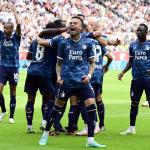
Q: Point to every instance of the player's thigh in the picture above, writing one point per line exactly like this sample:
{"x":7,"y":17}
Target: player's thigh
{"x":46,"y":87}
{"x":31,"y":86}
{"x":73,"y":100}
{"x":97,"y":90}
{"x":13,"y":89}
{"x":3,"y":76}
{"x":64,"y":93}
{"x":87,"y":95}
{"x":136,"y":90}
{"x":31,"y":98}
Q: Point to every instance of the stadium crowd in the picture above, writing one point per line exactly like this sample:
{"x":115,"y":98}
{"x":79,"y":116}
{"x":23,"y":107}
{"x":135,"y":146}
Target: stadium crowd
{"x":117,"y":18}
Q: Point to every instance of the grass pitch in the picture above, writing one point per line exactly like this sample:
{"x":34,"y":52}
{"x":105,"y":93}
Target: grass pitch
{"x":117,"y":103}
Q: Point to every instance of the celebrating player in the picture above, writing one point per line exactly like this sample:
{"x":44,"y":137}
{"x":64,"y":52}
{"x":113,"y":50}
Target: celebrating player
{"x":75,"y":66}
{"x":9,"y":63}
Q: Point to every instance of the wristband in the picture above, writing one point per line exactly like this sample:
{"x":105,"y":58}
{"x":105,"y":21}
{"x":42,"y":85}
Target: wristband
{"x":89,"y":75}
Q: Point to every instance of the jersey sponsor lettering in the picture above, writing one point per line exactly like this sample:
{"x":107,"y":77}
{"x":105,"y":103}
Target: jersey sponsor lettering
{"x":75,"y":55}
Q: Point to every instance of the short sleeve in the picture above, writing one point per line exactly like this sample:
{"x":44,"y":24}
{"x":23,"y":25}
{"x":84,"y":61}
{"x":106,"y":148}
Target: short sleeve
{"x":1,"y":35}
{"x":90,"y":51}
{"x":104,"y":50}
{"x":60,"y":50}
{"x":130,"y":51}
{"x":88,"y":35}
{"x":55,"y":41}
{"x":17,"y":37}
{"x":30,"y":49}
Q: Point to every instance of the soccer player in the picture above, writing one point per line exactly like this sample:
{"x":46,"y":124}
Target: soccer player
{"x":139,"y":61}
{"x":41,"y":75}
{"x":9,"y":63}
{"x":52,"y":32}
{"x":97,"y":80}
{"x":73,"y":99}
{"x":75,"y":66}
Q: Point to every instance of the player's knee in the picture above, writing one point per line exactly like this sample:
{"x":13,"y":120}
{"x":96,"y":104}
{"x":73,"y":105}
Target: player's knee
{"x":91,"y":107}
{"x":57,"y":108}
{"x":60,"y":102}
{"x":73,"y":100}
{"x":135,"y":103}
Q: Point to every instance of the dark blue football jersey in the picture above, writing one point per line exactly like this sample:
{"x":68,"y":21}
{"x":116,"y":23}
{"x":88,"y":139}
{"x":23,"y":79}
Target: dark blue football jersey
{"x":140,"y":55}
{"x":87,"y":34}
{"x":99,"y":52}
{"x":75,"y":56}
{"x":9,"y":50}
{"x":44,"y":58}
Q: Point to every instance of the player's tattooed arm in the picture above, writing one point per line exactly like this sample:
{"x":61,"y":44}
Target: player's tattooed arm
{"x":91,"y":66}
{"x":58,"y":71}
{"x":18,"y":22}
{"x":86,"y":78}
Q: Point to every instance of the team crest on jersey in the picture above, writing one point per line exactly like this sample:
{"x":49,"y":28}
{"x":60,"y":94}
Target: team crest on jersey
{"x":68,"y":46}
{"x":16,"y":75}
{"x":92,"y":89}
{"x":134,"y":47}
{"x":84,"y":47}
{"x":62,"y":94}
{"x":146,"y":47}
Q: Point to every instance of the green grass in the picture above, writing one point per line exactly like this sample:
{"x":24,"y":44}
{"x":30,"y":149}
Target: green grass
{"x":117,"y":102}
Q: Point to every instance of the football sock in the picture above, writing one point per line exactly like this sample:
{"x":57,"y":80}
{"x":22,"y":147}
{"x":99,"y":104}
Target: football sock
{"x":77,"y":114}
{"x":44,"y":109}
{"x":84,"y":113}
{"x":2,"y":103}
{"x":29,"y":112}
{"x":91,"y":119}
{"x":101,"y":112}
{"x":71,"y":116}
{"x":60,"y":114}
{"x":51,"y":116}
{"x":50,"y":105}
{"x":12,"y":105}
{"x":133,"y":113}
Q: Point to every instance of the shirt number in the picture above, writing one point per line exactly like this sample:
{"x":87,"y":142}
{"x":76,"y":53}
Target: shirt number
{"x":97,"y":52}
{"x":39,"y":53}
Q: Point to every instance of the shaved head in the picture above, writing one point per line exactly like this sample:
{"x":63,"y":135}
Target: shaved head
{"x":10,"y":24}
{"x":94,"y":23}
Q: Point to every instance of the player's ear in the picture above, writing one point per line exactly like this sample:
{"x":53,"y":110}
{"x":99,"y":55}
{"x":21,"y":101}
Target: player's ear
{"x":81,"y":27}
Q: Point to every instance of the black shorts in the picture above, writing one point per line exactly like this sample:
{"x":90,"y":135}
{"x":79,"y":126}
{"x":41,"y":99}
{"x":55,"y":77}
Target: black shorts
{"x":34,"y":83}
{"x":83,"y":93}
{"x":97,"y":88}
{"x":9,"y":74}
{"x":137,"y":88}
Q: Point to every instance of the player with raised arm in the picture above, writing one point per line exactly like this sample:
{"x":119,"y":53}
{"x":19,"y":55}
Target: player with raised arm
{"x":75,"y":66}
{"x":41,"y":74}
{"x":9,"y":63}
